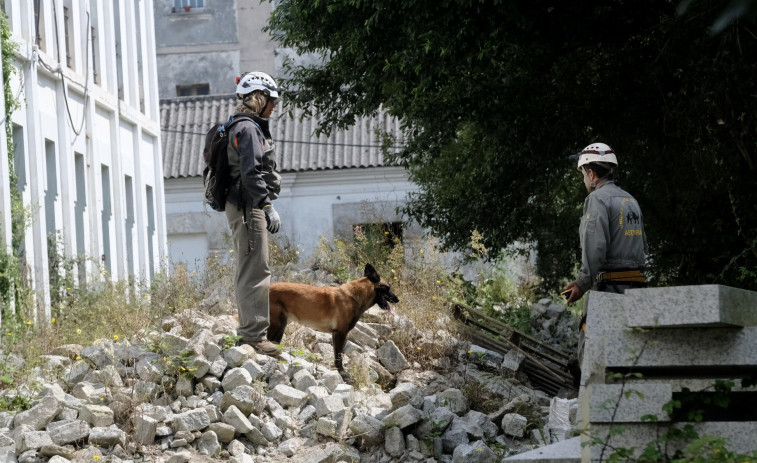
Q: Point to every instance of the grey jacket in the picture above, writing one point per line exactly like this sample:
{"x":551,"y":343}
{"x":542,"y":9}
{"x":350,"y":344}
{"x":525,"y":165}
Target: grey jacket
{"x":252,"y":163}
{"x":612,"y":234}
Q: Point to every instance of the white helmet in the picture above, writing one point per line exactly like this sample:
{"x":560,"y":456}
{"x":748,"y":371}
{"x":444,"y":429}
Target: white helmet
{"x":252,"y":81}
{"x":596,"y":152}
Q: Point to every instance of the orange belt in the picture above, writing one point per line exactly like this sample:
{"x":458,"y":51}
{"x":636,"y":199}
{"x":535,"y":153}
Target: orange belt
{"x":628,"y":276}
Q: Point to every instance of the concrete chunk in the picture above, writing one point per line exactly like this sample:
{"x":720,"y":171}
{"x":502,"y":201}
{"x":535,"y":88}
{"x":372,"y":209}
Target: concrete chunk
{"x":403,"y":417}
{"x":96,"y":415}
{"x":40,"y":414}
{"x":391,"y":357}
{"x":68,"y":432}
{"x":193,"y":420}
{"x":107,"y":437}
{"x":145,"y":429}
{"x":394,"y":442}
{"x":288,"y":396}
{"x":514,"y":425}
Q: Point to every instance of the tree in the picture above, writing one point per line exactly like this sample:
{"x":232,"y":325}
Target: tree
{"x":494,"y":95}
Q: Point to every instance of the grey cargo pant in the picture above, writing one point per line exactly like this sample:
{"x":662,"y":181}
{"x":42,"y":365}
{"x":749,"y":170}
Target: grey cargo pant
{"x":253,"y":276}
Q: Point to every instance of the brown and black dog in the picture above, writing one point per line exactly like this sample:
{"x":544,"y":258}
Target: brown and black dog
{"x":333,"y":310}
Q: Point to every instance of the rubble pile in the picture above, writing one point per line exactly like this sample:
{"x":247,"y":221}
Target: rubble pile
{"x":168,"y":398}
{"x":552,"y":324}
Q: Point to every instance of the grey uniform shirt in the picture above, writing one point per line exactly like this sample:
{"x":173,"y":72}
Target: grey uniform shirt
{"x":612,"y":234}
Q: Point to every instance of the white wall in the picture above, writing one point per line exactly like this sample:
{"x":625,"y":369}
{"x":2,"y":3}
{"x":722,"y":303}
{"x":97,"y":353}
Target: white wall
{"x":311,"y":204}
{"x":61,"y":149}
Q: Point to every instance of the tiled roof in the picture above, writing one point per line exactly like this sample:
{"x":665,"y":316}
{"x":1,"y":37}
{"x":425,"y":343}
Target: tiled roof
{"x":184,"y":122}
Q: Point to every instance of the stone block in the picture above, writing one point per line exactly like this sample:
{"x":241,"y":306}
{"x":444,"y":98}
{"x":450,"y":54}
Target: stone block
{"x":208,"y":444}
{"x":391,"y":357}
{"x":691,"y":306}
{"x":567,"y":451}
{"x":32,"y":440}
{"x":288,"y":396}
{"x":514,"y":424}
{"x":403,"y":417}
{"x":681,"y":348}
{"x":193,"y":420}
{"x":145,"y":429}
{"x":367,"y":429}
{"x":236,"y":377}
{"x":234,"y":417}
{"x":107,"y":437}
{"x":512,"y":360}
{"x":404,"y":394}
{"x":394,"y":442}
{"x":455,"y":400}
{"x":328,"y":405}
{"x":68,"y":432}
{"x":455,"y":435}
{"x":271,"y":432}
{"x":475,"y":452}
{"x":96,"y":415}
{"x":303,"y":380}
{"x":244,"y":398}
{"x":224,"y":431}
{"x":256,"y":437}
{"x":40,"y":414}
{"x":617,"y":403}
{"x":739,"y":437}
{"x":289,"y":447}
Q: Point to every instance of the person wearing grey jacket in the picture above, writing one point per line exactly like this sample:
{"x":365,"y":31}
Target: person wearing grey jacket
{"x":613,"y":242}
{"x":250,"y":212}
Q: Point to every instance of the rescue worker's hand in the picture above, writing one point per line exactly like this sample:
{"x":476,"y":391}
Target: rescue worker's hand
{"x":576,"y":292}
{"x":272,"y":219}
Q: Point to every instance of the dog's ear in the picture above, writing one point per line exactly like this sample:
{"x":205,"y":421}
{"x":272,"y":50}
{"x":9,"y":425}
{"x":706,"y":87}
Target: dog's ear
{"x":371,"y":273}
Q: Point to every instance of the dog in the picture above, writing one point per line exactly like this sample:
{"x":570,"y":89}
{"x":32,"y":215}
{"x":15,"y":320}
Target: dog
{"x":333,"y":310}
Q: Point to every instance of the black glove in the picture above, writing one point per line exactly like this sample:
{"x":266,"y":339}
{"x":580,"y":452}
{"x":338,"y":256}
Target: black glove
{"x":272,"y":219}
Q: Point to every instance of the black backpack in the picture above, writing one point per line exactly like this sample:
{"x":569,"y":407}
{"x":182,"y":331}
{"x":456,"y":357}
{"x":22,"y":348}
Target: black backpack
{"x":216,"y":177}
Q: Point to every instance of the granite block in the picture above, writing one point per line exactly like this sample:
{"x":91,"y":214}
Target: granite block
{"x":627,"y":403}
{"x":567,"y":451}
{"x":739,"y":437}
{"x":691,"y":306}
{"x":684,"y":348}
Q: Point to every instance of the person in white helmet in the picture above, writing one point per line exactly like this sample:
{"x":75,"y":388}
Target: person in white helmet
{"x":255,"y":183}
{"x":613,"y":242}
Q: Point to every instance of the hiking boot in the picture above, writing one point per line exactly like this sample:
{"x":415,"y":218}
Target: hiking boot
{"x":262,"y":347}
{"x":266,"y":348}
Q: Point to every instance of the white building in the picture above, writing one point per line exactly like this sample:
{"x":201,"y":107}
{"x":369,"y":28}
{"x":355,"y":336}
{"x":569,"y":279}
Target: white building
{"x":327,"y":182}
{"x":86,"y":137}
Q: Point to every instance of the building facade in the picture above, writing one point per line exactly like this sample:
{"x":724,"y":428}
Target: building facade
{"x":203,"y":44}
{"x":86,"y":140}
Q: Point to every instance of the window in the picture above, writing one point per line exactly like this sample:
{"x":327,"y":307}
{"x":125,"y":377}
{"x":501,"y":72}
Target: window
{"x":95,"y":75}
{"x":67,"y":35}
{"x":39,"y":26}
{"x":193,"y":90}
{"x":187,"y":5}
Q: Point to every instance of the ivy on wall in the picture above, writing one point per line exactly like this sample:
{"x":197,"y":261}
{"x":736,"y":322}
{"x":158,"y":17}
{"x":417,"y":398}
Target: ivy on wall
{"x":11,"y":281}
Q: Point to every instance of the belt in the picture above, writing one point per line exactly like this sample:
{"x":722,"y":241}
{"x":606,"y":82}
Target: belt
{"x":625,"y":276}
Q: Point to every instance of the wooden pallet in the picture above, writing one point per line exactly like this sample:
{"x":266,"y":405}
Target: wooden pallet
{"x":545,"y":366}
